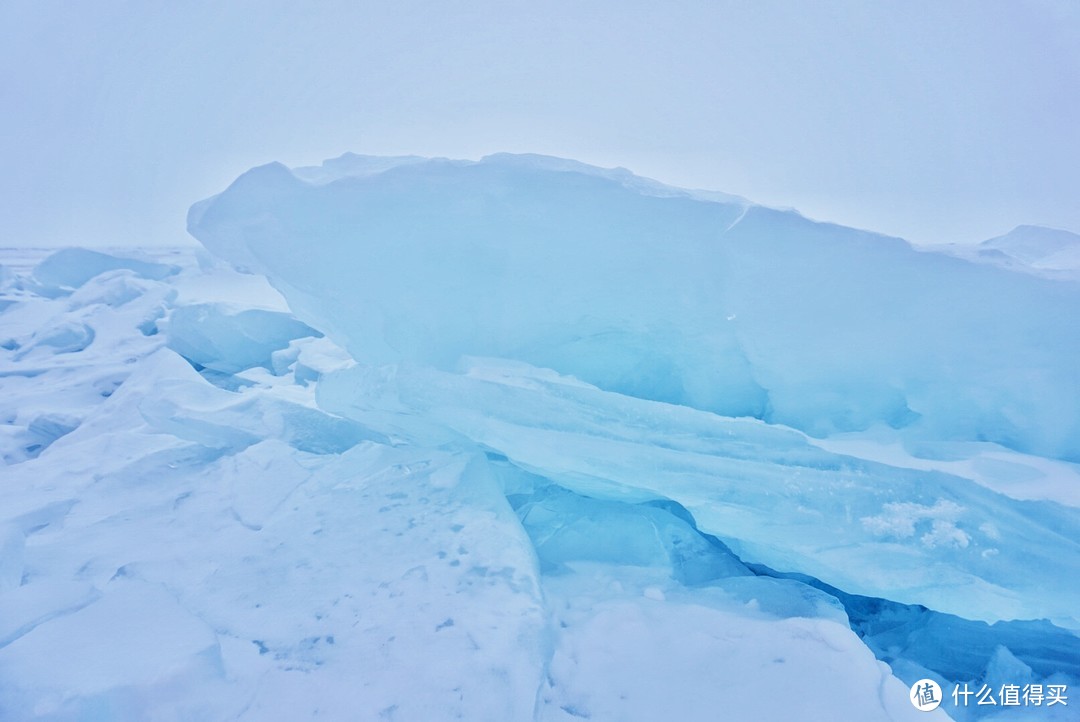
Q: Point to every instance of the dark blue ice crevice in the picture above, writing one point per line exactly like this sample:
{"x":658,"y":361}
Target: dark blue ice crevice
{"x":956,"y":648}
{"x":917,"y":642}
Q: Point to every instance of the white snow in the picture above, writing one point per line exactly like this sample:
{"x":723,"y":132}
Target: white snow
{"x":1039,"y":247}
{"x":1016,"y":475}
{"x":1036,"y":250}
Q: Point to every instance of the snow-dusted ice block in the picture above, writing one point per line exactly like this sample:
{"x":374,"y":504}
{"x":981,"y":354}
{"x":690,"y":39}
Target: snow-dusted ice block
{"x":661,"y":294}
{"x":184,"y":405}
{"x":64,"y":337}
{"x":70,"y":268}
{"x":228,"y":340}
{"x":112,"y":288}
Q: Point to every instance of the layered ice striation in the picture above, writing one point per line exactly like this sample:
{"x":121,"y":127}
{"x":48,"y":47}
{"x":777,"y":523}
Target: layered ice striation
{"x":637,"y":288}
{"x":913,"y":536}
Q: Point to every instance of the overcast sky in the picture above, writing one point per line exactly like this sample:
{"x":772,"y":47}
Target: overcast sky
{"x":937,"y":121}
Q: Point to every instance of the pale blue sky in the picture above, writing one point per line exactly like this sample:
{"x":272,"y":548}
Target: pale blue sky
{"x":937,"y":121}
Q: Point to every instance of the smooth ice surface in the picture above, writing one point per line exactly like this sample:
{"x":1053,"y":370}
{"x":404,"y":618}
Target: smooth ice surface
{"x":659,"y":294}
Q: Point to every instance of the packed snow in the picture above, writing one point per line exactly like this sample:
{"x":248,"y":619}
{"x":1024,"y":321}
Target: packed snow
{"x":1046,"y":249}
{"x":523,"y":439}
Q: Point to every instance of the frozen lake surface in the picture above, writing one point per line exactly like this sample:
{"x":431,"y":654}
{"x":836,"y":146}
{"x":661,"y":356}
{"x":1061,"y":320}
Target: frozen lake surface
{"x":458,"y":445}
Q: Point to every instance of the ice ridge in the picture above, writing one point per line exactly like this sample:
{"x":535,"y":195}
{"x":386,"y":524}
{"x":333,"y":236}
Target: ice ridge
{"x":661,"y":296}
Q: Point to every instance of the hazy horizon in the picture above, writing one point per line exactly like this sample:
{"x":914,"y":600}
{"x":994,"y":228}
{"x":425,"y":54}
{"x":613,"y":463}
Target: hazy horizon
{"x":935,"y":122}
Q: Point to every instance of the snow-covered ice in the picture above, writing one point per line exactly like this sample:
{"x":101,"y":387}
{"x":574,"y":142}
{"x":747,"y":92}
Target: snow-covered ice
{"x":522,"y":439}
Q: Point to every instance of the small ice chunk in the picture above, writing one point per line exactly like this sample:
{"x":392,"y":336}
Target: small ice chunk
{"x":568,"y":527}
{"x":1004,"y":668}
{"x":113,"y":288}
{"x":47,"y":428}
{"x":67,"y":336}
{"x":217,"y":337}
{"x":654,"y":593}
